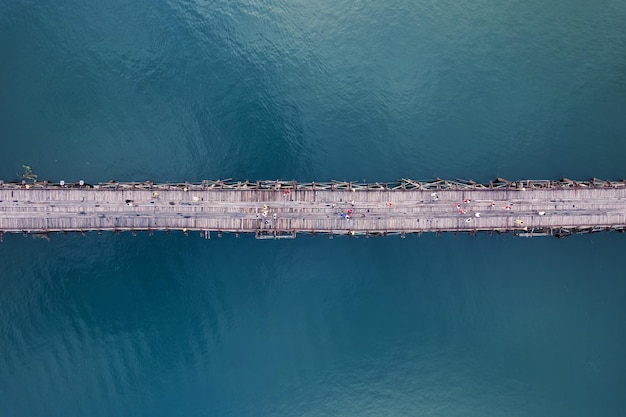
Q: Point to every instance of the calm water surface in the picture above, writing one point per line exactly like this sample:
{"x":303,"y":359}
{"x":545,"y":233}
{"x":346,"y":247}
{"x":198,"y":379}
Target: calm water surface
{"x":188,"y":90}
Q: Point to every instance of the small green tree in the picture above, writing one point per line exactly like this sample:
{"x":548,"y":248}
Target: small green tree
{"x":29,"y":174}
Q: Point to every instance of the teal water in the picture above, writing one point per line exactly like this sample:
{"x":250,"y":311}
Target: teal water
{"x":187,"y":90}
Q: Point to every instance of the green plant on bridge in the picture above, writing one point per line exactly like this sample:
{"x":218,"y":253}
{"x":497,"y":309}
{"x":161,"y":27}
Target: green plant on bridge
{"x":29,"y":174}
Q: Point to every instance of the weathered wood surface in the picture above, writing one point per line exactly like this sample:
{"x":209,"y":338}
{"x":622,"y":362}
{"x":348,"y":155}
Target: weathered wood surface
{"x":295,"y":208}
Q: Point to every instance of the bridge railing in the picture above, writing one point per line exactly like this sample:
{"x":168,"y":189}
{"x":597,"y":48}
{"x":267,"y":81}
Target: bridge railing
{"x":401,"y":184}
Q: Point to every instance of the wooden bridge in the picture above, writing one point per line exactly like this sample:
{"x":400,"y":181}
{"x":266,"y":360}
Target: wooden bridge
{"x":281,"y":209}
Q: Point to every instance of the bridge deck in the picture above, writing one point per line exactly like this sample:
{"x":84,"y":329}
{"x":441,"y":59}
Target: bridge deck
{"x":290,"y":210}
